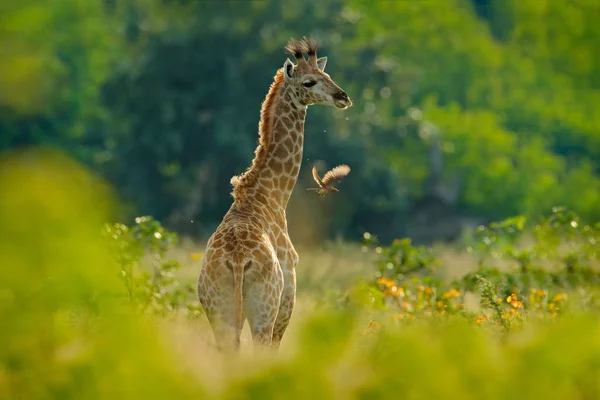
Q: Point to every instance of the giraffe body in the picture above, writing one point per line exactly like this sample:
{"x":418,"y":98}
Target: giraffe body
{"x":249,"y":267}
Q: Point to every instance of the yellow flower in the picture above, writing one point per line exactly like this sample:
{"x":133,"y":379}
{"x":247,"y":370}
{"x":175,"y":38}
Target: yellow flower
{"x":516,"y":304}
{"x":450,"y":294}
{"x":515,"y":312}
{"x":429,"y":291}
{"x":499,"y":300}
{"x":481,"y":319}
{"x":407,"y":306}
{"x":387,"y":282}
{"x":195,"y":256}
{"x":558,"y":297}
{"x":394,"y":291}
{"x":540,"y":293}
{"x":420,"y":288}
{"x":512,"y":297}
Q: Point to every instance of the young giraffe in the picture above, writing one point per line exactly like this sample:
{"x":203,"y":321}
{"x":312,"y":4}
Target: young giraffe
{"x":248,"y":269}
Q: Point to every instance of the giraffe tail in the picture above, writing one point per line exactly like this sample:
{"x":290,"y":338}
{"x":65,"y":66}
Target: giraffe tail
{"x":238,"y":284}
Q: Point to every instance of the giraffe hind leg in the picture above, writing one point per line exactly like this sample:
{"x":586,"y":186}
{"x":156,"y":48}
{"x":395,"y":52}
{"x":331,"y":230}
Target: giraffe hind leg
{"x":261,"y":304}
{"x":220,"y":312}
{"x":227,"y":336}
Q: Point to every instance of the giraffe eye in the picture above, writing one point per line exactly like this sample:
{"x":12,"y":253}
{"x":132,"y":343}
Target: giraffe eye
{"x":309,"y":83}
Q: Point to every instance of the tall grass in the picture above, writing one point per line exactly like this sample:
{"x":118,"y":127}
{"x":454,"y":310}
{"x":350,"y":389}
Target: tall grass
{"x":84,"y":317}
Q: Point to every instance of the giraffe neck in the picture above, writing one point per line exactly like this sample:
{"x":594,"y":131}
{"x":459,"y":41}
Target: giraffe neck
{"x":274,"y":172}
{"x":280,"y":174}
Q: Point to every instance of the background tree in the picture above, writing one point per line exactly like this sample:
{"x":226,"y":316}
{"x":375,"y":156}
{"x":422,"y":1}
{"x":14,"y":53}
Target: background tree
{"x":162,"y":97}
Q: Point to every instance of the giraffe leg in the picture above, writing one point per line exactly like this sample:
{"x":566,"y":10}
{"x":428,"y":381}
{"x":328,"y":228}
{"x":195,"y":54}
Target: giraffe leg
{"x":286,"y":307}
{"x":218,"y":304}
{"x":261,"y":305}
{"x":227,"y":336}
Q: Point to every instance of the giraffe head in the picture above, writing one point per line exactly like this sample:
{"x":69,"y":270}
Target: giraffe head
{"x":307,"y":79}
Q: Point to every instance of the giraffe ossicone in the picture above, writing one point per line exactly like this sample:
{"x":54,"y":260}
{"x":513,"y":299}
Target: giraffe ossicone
{"x":249,"y":267}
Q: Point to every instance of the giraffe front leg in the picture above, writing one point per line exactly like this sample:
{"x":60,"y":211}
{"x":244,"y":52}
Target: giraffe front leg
{"x":286,"y":306}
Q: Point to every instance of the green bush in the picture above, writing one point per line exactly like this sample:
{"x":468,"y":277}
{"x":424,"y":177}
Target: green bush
{"x":82,"y":309}
{"x":153,"y":287}
{"x":553,"y":267}
{"x":65,"y":331}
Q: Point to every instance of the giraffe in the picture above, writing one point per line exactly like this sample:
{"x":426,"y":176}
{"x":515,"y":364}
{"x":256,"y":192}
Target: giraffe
{"x":249,"y":266}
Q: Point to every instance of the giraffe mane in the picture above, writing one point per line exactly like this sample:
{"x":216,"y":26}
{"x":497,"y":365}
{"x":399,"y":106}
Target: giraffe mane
{"x":306,"y":45}
{"x":241,"y":183}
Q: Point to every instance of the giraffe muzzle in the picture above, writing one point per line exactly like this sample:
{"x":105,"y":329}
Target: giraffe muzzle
{"x":341,"y":100}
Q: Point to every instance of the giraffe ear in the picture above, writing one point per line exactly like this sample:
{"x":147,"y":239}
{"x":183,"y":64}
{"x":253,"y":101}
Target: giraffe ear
{"x":321,"y":63}
{"x":288,"y":70}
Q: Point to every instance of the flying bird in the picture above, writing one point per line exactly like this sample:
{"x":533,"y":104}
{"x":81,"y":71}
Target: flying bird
{"x":331,"y":178}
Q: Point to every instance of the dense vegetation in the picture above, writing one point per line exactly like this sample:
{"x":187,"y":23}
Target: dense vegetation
{"x":93,"y":310}
{"x":467,"y":112}
{"x":489,"y":105}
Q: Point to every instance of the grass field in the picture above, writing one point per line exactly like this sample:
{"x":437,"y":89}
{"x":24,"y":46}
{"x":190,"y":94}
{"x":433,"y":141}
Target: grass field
{"x":511,"y":313}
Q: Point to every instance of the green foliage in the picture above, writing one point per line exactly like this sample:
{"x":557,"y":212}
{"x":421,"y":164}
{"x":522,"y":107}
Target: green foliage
{"x":163,"y":99}
{"x":69,"y":334}
{"x":556,"y":262}
{"x":64,"y":332}
{"x":154,"y":289}
{"x":435,"y":360}
{"x":56,"y":55}
{"x":488,"y":300}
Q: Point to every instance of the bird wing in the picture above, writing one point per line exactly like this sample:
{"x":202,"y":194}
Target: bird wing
{"x":336,"y":174}
{"x":315,"y":175}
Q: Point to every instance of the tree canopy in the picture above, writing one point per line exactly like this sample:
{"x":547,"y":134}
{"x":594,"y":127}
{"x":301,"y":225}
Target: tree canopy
{"x":492,"y":103}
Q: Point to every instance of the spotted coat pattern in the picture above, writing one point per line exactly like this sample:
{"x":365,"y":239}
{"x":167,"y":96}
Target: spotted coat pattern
{"x":248,"y":271}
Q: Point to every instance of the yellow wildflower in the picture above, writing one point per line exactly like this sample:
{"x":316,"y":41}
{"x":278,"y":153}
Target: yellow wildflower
{"x":516,"y":304}
{"x":394,"y":291}
{"x":512,"y":297}
{"x":195,"y":256}
{"x":558,"y":297}
{"x":481,"y":319}
{"x":450,"y":294}
{"x":387,"y":282}
{"x":429,"y":291}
